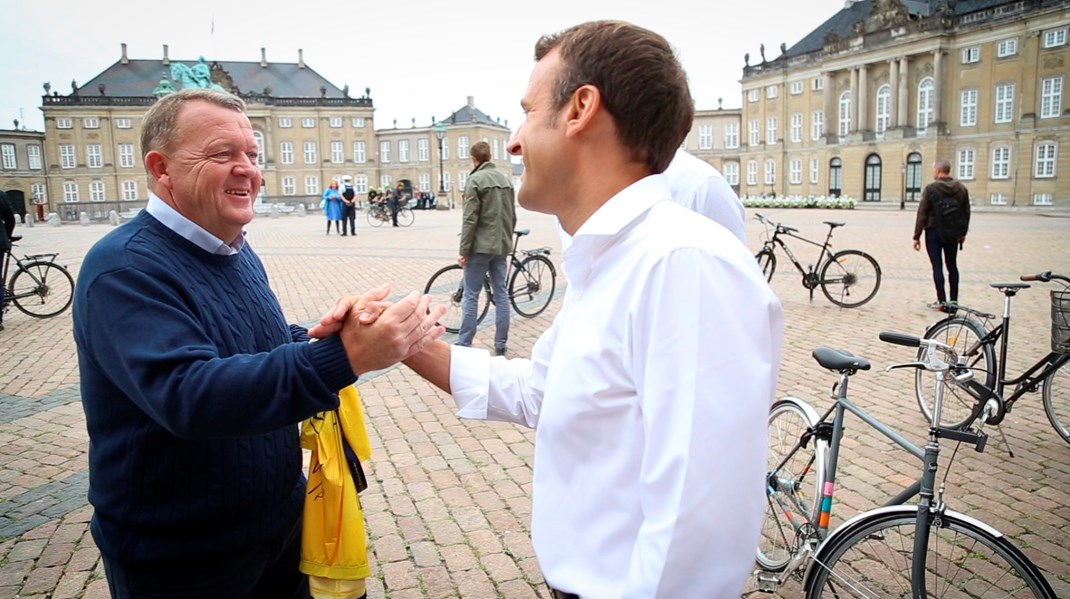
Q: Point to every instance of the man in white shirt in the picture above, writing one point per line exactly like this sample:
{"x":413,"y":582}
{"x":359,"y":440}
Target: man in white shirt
{"x":650,"y":391}
{"x":699,"y":186}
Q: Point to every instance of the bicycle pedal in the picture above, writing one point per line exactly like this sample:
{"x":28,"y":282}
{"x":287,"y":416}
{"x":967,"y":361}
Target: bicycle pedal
{"x":767,"y":582}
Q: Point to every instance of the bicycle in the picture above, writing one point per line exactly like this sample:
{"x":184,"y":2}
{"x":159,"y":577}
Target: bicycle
{"x":973,"y":346}
{"x":842,"y":273}
{"x":379,"y":214}
{"x":532,"y":280}
{"x":895,"y":550}
{"x":39,"y":287}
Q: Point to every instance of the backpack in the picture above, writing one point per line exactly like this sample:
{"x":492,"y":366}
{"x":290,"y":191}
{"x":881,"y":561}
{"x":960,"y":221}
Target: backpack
{"x":349,"y":194}
{"x":952,"y":222}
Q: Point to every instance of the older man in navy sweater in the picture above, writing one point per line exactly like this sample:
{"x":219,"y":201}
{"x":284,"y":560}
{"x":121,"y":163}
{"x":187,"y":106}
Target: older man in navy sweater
{"x":192,"y":381}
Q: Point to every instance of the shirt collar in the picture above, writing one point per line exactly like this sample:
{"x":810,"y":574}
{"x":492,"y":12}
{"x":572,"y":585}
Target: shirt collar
{"x":191,"y":231}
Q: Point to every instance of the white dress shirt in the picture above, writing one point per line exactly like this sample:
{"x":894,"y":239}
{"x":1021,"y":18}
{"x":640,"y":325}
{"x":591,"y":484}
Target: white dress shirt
{"x":699,"y":186}
{"x":191,"y":231}
{"x":650,"y":395}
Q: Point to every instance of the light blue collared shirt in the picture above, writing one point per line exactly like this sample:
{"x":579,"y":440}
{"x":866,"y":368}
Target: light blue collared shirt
{"x":170,"y":218}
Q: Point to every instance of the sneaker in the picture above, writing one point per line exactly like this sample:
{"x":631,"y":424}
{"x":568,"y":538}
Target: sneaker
{"x":499,"y":351}
{"x":936,"y":306}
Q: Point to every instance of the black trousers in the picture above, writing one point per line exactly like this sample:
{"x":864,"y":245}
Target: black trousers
{"x":941,"y":253}
{"x":349,"y":217}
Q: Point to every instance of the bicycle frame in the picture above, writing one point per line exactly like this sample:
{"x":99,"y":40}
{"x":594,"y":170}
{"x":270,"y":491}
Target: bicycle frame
{"x":19,"y":262}
{"x":826,"y":249}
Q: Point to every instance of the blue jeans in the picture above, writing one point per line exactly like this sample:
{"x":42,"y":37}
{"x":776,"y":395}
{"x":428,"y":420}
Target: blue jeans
{"x":477,"y":266}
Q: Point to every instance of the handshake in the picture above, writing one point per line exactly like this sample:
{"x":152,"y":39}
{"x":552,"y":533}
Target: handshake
{"x":376,"y":333}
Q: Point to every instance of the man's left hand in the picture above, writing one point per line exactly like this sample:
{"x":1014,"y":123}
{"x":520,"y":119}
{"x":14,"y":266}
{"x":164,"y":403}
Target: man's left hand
{"x":462,"y":260}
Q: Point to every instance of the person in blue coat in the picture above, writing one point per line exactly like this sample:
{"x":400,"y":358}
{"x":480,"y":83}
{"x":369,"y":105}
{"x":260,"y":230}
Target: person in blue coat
{"x":332,"y":207}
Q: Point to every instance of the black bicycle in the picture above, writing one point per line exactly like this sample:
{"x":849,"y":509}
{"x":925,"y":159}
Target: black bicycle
{"x":379,"y":214}
{"x":973,"y":345}
{"x":38,"y":286}
{"x":848,"y":278}
{"x":531,"y":279}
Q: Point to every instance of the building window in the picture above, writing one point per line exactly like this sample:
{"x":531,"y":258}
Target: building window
{"x":425,"y":181}
{"x":705,"y":137}
{"x":462,"y":181}
{"x":1044,"y":161}
{"x":771,"y":91}
{"x":360,"y":184}
{"x":37,"y":192}
{"x":286,"y":152}
{"x":34,"y":154}
{"x":384,"y":151}
{"x":358,"y":123}
{"x":447,"y":183}
{"x":445,"y":148}
{"x":70,"y":191}
{"x":335,"y":122}
{"x":796,"y":87}
{"x":309,"y":123}
{"x":7,"y":151}
{"x":815,"y":171}
{"x":423,"y":152}
{"x":462,"y":146}
{"x":385,"y":181}
{"x":731,"y":173}
{"x":1055,"y":37}
{"x":94,"y":156}
{"x":845,"y":114}
{"x":796,"y":127}
{"x":261,"y":155}
{"x":966,"y":163}
{"x":998,"y":199}
{"x":795,"y":171}
{"x":770,"y":130}
{"x":289,"y":186}
{"x":91,"y":122}
{"x":731,"y":135}
{"x":124,"y":124}
{"x":1001,"y":162}
{"x":310,"y":153}
{"x":873,"y":178}
{"x":285,"y":122}
{"x":1007,"y":47}
{"x":1004,"y":103}
{"x":312,"y":185}
{"x":968,"y":108}
{"x":770,"y":172}
{"x":403,"y":150}
{"x":338,"y":153}
{"x":494,"y":149}
{"x":835,"y":177}
{"x":64,"y":123}
{"x":884,"y":109}
{"x":752,"y":173}
{"x":817,"y":84}
{"x":971,"y":55}
{"x":753,"y":95}
{"x":1051,"y":97}
{"x":753,"y":132}
{"x":925,"y":103}
{"x":129,"y":190}
{"x":96,"y":191}
{"x":66,"y":156}
{"x":913,"y":182}
{"x":126,"y":155}
{"x":360,"y":152}
{"x":1042,"y":199}
{"x":817,"y":124}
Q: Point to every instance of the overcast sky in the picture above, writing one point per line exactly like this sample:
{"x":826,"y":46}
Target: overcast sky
{"x":420,"y":58}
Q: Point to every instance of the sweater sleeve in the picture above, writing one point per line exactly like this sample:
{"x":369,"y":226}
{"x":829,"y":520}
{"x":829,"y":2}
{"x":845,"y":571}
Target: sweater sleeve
{"x":923,"y":214}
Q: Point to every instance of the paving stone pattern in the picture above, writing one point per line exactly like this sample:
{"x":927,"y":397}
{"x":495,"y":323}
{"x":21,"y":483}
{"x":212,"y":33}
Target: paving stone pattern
{"x":449,"y":503}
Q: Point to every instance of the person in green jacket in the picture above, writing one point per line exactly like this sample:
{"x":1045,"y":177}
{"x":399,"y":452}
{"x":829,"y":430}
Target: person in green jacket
{"x":486,"y":240}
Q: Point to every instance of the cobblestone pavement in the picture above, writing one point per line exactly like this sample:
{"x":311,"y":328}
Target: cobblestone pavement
{"x":448,"y":508}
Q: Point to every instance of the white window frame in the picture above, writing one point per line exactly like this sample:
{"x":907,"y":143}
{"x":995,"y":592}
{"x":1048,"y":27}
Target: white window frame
{"x":308,"y":122}
{"x":360,"y":152}
{"x":752,"y":172}
{"x":462,"y":146}
{"x":90,"y":122}
{"x":286,"y":152}
{"x":971,"y":55}
{"x":926,"y":87}
{"x":998,"y":199}
{"x":129,"y":190}
{"x":1045,"y":159}
{"x":403,"y":150}
{"x":771,"y":91}
{"x":64,"y":122}
{"x":817,"y":124}
{"x":796,"y":127}
{"x":285,"y":122}
{"x":771,"y":130}
{"x":447,"y":182}
{"x":1042,"y":199}
{"x":289,"y":186}
{"x":883,"y":112}
{"x":425,"y":181}
{"x":261,"y":155}
{"x":96,"y":191}
{"x":845,"y":114}
{"x":1001,"y":162}
{"x":335,"y":122}
{"x":308,"y":150}
{"x":124,"y":123}
{"x":66,"y":156}
{"x":968,"y":108}
{"x":731,"y":136}
{"x":338,"y":152}
{"x":1055,"y":37}
{"x":312,"y":185}
{"x":770,"y":171}
{"x":423,"y":150}
{"x":1004,"y":104}
{"x":731,"y":173}
{"x":38,"y":193}
{"x":754,"y":132}
{"x":817,"y":84}
{"x":967,"y":160}
{"x":357,"y":122}
{"x":94,"y":156}
{"x":753,"y":95}
{"x":796,"y":88}
{"x":1051,"y":97}
{"x":386,"y":181}
{"x":126,"y":155}
{"x":384,"y":151}
{"x":33,"y":156}
{"x":705,"y":137}
{"x":815,"y":171}
{"x":70,"y":192}
{"x":446,"y":147}
{"x":360,"y":184}
{"x":7,"y":151}
{"x":1007,"y":47}
{"x":795,"y":171}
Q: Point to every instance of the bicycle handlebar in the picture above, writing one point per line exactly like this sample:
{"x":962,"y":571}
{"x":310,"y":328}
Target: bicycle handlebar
{"x":1045,"y":277}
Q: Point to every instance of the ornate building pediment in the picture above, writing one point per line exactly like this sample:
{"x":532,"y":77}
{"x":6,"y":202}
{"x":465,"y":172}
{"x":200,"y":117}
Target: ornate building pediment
{"x":885,"y":15}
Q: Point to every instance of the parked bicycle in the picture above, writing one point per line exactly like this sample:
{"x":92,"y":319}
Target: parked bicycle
{"x":531,"y":278}
{"x":848,"y":278}
{"x":896,"y":550}
{"x":973,"y":342}
{"x":38,"y":286}
{"x":379,"y":214}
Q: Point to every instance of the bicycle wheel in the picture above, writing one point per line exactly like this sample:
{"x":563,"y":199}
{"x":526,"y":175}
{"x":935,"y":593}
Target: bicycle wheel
{"x":532,"y":286}
{"x":767,"y":262}
{"x":446,"y":288}
{"x":850,"y":278}
{"x":406,"y":216}
{"x":793,"y":484}
{"x":871,"y":556}
{"x":375,"y":217}
{"x":960,"y":406}
{"x":1057,"y":400}
{"x":41,"y":289}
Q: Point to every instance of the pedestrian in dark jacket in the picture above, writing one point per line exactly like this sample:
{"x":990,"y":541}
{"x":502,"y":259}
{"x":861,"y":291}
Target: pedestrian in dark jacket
{"x":7,"y":230}
{"x":941,"y":251}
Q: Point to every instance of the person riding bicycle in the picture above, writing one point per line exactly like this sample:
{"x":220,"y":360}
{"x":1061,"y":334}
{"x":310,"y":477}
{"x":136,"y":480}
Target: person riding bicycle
{"x":7,"y":215}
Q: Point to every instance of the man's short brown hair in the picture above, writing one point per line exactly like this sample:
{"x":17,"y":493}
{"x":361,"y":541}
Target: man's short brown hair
{"x":642,"y":84}
{"x":159,"y":126}
{"x":480,"y":151}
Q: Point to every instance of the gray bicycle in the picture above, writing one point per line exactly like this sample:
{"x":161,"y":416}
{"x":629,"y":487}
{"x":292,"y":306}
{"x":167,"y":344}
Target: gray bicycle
{"x":38,"y":286}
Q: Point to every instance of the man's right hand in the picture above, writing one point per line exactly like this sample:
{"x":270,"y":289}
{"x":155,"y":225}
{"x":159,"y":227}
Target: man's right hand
{"x":917,"y":245}
{"x":399,"y":332}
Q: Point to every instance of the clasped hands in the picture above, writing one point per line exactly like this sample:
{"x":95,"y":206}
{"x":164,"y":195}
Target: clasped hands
{"x":376,"y":333}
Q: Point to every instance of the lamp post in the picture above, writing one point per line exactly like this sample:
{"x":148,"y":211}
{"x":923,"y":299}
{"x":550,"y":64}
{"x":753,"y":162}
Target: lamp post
{"x":440,"y":133}
{"x":903,"y":196}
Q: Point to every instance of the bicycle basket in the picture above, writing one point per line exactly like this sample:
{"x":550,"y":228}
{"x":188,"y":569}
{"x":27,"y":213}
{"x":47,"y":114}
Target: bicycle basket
{"x":1060,"y":322}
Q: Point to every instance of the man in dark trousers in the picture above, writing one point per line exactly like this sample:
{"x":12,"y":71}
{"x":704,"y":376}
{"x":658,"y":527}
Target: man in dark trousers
{"x":941,"y":247}
{"x":7,"y":229}
{"x":349,"y":206}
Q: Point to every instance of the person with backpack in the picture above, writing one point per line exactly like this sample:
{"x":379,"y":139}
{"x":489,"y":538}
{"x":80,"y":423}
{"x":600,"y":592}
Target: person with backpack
{"x":349,"y":206}
{"x":944,"y":216}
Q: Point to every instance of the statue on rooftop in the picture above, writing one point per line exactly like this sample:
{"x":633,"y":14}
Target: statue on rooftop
{"x":197,"y":76}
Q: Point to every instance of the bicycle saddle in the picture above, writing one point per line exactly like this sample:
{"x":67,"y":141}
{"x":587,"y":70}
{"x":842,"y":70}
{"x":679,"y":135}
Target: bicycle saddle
{"x":15,"y":238}
{"x":839,"y":360}
{"x":1009,"y":288}
{"x":834,"y":225}
{"x":522,"y":232}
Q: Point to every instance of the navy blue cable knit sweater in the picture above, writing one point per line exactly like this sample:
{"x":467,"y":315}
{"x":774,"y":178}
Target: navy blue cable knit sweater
{"x":192,"y":386}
